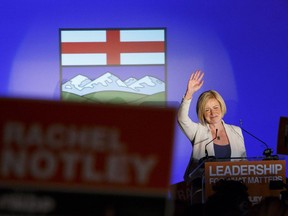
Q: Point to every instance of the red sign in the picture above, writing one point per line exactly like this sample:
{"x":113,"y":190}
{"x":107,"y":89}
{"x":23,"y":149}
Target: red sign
{"x":85,"y":146}
{"x":282,"y":144}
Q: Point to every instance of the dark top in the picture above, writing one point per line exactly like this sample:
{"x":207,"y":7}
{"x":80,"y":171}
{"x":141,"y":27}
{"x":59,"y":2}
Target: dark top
{"x":222,"y":151}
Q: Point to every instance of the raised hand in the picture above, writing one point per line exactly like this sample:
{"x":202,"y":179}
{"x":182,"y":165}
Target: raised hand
{"x":194,"y":84}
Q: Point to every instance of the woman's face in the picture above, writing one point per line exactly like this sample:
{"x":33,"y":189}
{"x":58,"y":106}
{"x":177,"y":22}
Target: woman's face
{"x":212,"y":112}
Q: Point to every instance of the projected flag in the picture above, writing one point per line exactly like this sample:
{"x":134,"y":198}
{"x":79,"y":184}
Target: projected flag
{"x":113,"y":47}
{"x":113,"y":65}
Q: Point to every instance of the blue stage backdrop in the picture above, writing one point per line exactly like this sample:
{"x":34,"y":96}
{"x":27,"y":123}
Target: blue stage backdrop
{"x":241,"y":45}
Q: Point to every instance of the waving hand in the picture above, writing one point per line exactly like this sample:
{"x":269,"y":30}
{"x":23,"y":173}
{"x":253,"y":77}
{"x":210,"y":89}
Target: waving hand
{"x":194,"y":84}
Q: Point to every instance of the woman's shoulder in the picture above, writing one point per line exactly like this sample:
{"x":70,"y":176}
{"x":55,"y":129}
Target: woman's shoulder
{"x":232,"y":127}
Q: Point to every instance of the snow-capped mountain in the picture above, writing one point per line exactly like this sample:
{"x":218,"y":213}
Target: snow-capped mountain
{"x":130,"y":81}
{"x":82,"y":85}
{"x":79,"y":82}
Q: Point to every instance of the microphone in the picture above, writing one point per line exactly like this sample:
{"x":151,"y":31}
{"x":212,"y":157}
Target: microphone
{"x":268,"y":151}
{"x":202,"y":160}
{"x":216,"y":137}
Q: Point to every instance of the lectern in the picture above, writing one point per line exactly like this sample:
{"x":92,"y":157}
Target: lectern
{"x":256,"y":175}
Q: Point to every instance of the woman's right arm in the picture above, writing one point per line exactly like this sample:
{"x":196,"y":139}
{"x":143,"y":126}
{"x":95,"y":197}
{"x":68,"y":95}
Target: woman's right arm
{"x":189,"y":127}
{"x":186,"y":124}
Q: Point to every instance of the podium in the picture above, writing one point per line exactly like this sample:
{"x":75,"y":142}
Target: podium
{"x":257,"y":175}
{"x":262,"y":178}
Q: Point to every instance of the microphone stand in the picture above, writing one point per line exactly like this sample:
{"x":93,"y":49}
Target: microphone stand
{"x":267,"y":152}
{"x":216,"y":137}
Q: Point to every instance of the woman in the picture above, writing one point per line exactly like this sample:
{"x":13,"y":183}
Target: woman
{"x":228,"y":141}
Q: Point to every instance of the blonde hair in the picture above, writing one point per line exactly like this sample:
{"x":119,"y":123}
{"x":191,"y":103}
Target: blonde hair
{"x":202,"y":101}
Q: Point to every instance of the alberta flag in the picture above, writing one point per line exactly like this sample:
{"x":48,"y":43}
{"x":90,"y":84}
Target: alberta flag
{"x":126,"y":66}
